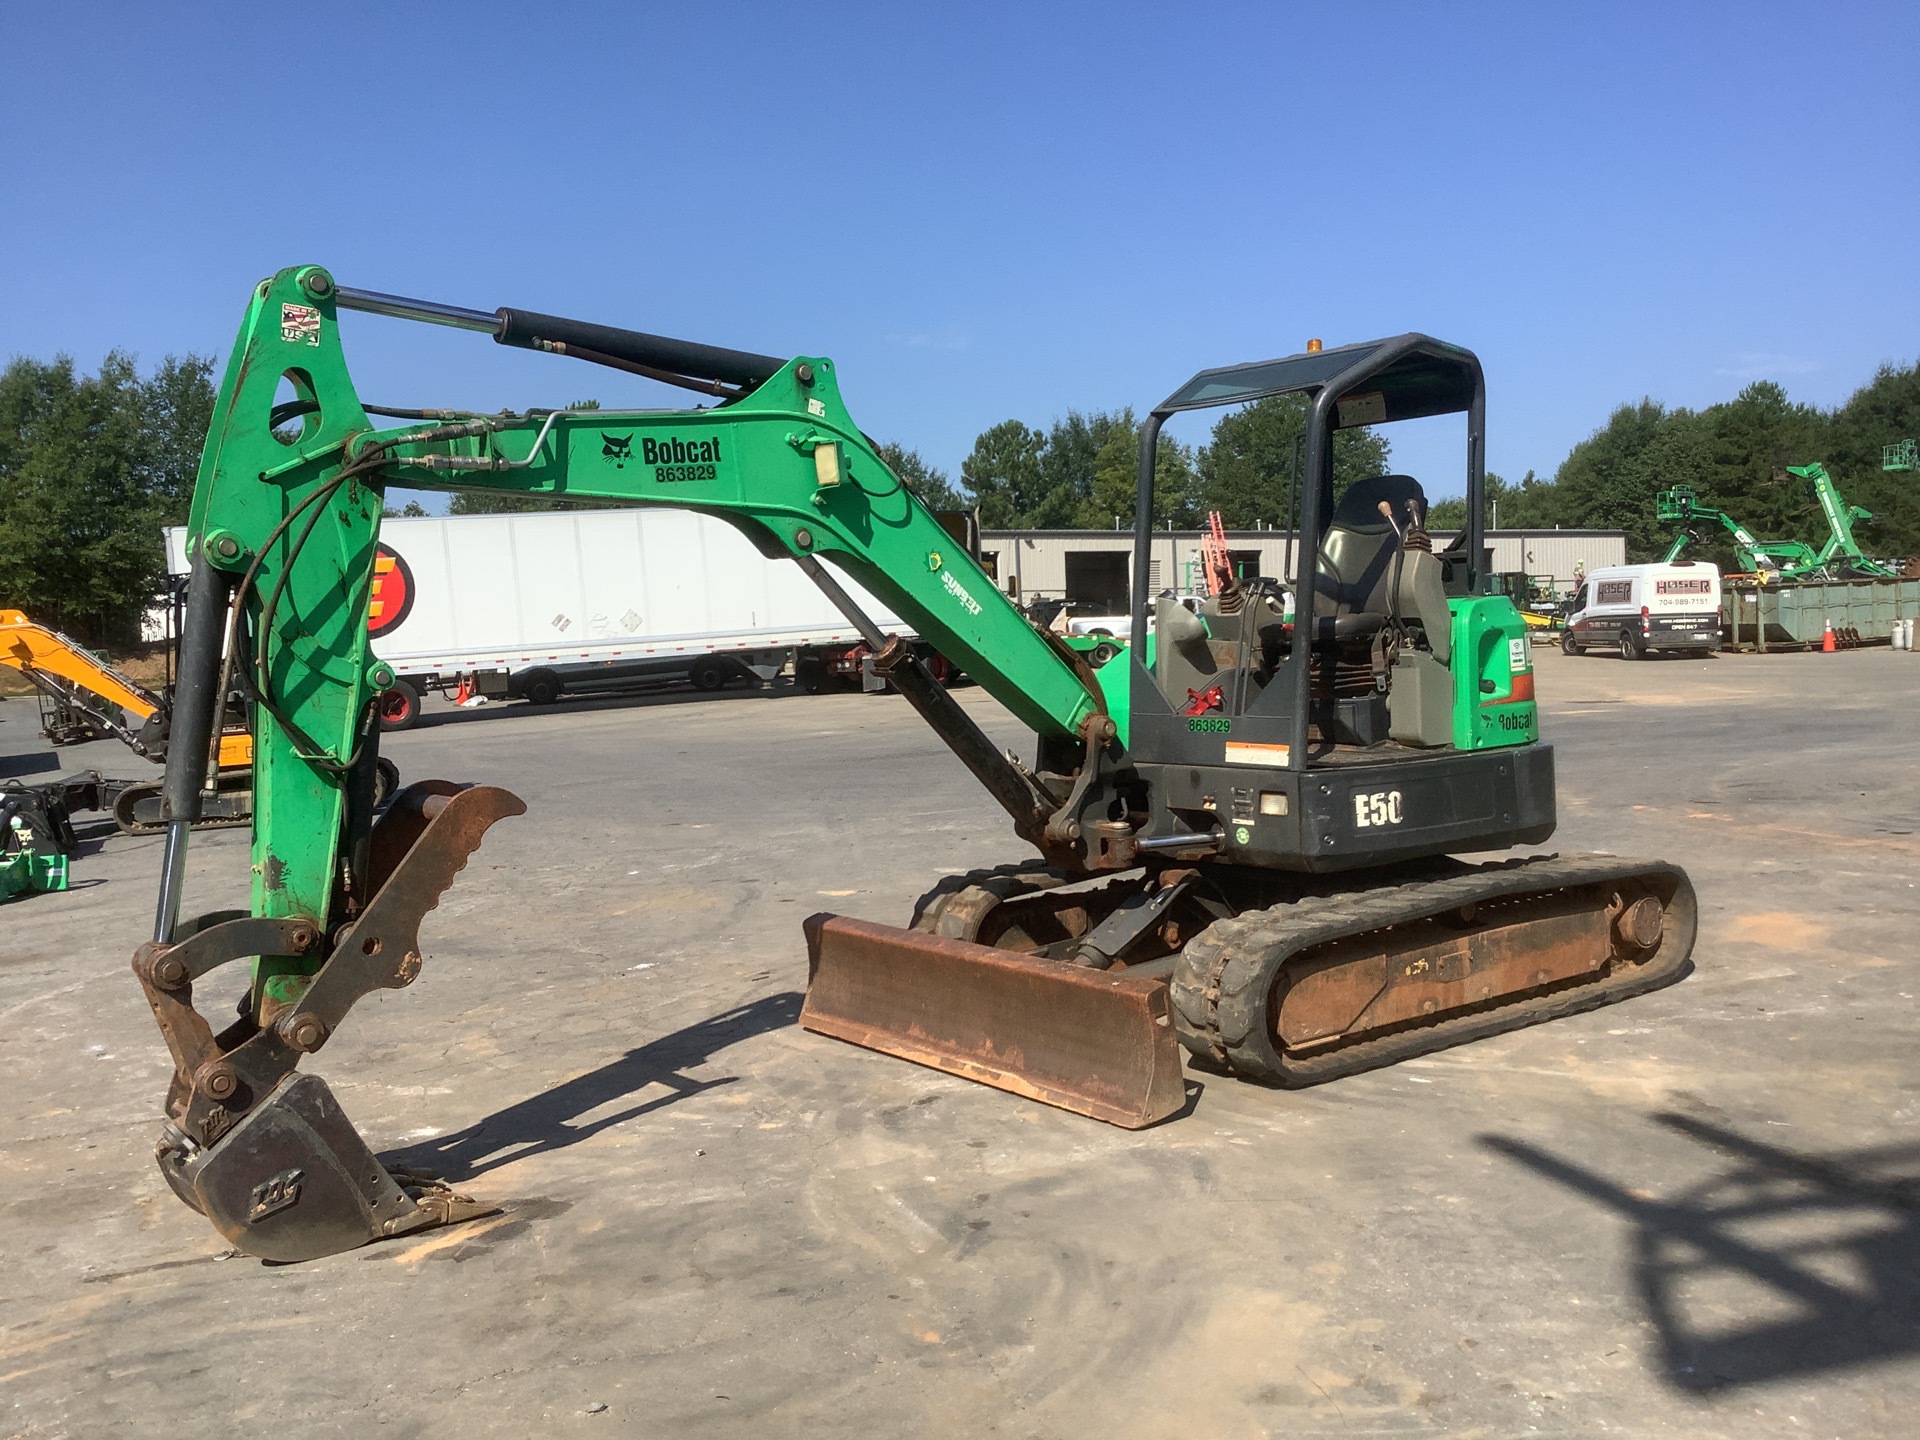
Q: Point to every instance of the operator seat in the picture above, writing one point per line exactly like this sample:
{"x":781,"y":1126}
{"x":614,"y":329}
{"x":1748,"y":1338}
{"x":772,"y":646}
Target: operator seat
{"x":1355,"y":591}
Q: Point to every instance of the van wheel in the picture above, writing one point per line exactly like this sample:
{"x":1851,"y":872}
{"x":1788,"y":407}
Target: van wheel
{"x":399,"y":706}
{"x":1568,"y":644}
{"x":1631,"y":646}
{"x":541,"y":687}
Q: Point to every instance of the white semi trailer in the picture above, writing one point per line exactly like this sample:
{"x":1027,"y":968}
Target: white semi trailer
{"x":540,"y":604}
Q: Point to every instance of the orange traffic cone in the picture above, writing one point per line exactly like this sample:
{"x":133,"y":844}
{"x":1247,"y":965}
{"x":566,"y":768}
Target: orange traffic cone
{"x":1826,"y":645}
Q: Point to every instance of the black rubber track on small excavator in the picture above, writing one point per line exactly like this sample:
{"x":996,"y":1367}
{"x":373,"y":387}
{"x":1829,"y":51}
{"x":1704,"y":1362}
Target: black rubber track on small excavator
{"x":1000,"y":882}
{"x":1223,"y":983}
{"x":145,"y":797}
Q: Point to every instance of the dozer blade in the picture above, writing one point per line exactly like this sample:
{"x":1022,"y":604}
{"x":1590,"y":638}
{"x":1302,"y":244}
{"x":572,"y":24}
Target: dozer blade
{"x":1097,"y":1042}
{"x":293,"y":1180}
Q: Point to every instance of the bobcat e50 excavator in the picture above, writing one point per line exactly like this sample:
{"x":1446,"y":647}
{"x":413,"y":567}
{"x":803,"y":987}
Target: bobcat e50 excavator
{"x":1243,"y":821}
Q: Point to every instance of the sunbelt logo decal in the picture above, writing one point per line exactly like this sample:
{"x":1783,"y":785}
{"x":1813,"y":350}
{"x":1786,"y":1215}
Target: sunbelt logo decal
{"x":953,"y":587}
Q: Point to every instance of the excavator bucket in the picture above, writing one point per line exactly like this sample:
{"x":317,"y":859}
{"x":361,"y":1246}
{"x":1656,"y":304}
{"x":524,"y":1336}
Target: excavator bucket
{"x":263,"y":1151}
{"x":1097,"y":1042}
{"x":293,"y":1181}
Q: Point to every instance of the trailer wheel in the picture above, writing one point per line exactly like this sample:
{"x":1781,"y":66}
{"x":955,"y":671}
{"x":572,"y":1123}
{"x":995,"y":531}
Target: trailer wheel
{"x":1631,"y":646}
{"x":710,"y":674}
{"x":541,"y":687}
{"x":399,"y":706}
{"x":810,"y":674}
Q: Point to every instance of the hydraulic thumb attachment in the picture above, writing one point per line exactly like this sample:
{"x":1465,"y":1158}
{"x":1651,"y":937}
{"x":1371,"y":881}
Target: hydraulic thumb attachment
{"x":266,"y":1153}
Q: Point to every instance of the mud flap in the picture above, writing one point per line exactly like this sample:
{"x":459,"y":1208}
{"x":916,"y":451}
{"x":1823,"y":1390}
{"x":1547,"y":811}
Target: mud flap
{"x":1096,"y":1042}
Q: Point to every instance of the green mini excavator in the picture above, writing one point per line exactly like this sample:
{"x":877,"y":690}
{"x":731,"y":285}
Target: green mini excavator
{"x":1244,"y":822}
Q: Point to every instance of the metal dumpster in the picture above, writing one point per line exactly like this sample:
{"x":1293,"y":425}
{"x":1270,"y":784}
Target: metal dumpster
{"x":1762,"y":617}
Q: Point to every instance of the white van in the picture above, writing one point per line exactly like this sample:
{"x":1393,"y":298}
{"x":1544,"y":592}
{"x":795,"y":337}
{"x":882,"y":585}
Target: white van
{"x":1667,"y":605}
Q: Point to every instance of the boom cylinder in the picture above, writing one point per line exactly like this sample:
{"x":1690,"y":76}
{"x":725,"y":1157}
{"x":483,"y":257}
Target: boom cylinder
{"x":531,"y":330}
{"x":196,"y":696}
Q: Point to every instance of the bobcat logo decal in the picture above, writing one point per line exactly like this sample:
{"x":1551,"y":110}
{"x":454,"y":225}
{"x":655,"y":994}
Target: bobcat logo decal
{"x":617,"y":448}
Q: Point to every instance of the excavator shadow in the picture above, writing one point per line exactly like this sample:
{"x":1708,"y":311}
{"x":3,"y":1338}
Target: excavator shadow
{"x":550,"y":1120}
{"x":1786,"y":1264}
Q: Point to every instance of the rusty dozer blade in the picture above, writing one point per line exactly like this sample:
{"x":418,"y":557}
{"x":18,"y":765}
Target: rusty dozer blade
{"x":1097,"y":1042}
{"x":264,"y":1152}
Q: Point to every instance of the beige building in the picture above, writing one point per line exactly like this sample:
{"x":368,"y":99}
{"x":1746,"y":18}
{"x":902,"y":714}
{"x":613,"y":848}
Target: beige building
{"x":1095,"y":567}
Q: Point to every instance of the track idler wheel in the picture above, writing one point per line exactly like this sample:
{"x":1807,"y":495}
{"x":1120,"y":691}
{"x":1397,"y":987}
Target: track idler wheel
{"x":264,"y":1152}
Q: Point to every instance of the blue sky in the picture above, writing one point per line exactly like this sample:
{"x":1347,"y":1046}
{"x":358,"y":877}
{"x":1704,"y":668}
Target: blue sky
{"x":982,"y":211}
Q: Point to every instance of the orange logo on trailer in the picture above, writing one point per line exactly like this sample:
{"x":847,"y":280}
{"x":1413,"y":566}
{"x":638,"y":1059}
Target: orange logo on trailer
{"x":392,"y":597}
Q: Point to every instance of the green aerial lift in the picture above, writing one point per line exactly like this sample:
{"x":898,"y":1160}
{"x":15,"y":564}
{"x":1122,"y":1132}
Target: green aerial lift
{"x":1243,"y":824}
{"x":1839,"y":558}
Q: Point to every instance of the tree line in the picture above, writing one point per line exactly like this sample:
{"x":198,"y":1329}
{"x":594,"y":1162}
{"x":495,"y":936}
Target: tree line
{"x":93,"y":466}
{"x":1734,"y":456}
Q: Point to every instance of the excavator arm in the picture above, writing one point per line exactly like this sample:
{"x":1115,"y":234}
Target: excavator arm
{"x":66,"y":672}
{"x":285,"y":518}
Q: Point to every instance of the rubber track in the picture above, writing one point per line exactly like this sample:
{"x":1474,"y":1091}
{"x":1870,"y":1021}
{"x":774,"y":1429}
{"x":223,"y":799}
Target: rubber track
{"x":135,"y":793}
{"x":1003,"y":882}
{"x":1221,"y":986}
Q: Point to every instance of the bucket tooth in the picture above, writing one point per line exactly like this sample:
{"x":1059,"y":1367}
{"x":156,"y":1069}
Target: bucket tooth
{"x":1096,"y":1042}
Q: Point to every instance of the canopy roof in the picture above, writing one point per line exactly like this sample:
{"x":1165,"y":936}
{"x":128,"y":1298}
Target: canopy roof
{"x":1415,"y":375}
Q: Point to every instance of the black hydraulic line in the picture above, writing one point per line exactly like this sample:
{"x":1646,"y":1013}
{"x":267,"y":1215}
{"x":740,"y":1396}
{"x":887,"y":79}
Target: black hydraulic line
{"x":614,"y":362}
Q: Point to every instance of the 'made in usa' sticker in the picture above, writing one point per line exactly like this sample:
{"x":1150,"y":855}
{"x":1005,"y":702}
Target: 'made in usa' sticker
{"x":299,"y":324}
